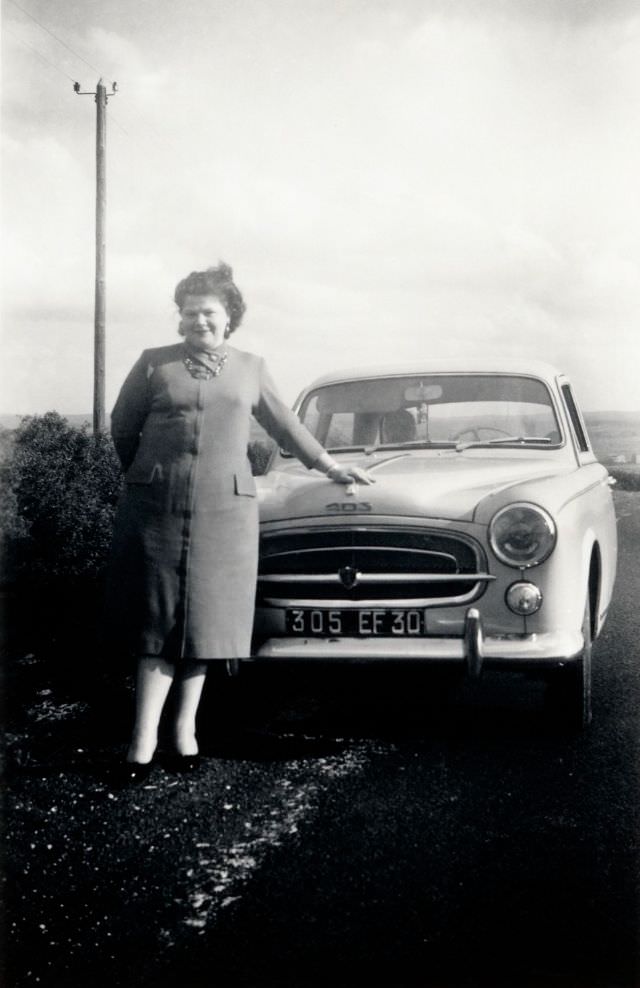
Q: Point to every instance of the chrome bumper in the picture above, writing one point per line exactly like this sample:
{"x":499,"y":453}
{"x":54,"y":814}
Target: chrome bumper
{"x":473,"y":650}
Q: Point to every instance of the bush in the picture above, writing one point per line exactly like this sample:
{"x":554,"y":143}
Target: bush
{"x":60,"y":486}
{"x":627,"y":477}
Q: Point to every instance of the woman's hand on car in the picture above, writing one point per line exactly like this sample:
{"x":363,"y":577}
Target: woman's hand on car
{"x":349,"y":475}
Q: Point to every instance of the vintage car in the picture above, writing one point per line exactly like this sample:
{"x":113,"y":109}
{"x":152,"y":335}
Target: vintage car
{"x":488,"y":540}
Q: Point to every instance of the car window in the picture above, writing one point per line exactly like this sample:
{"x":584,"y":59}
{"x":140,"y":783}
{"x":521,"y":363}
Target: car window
{"x":576,"y":419}
{"x":401,"y":411}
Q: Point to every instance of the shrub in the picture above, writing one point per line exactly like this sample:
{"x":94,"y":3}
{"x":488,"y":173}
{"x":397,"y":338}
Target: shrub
{"x":627,"y":477}
{"x":60,"y":486}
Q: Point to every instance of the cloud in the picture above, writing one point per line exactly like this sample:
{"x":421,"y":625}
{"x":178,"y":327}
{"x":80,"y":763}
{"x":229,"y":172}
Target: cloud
{"x":398,"y":179}
{"x":48,"y":233}
{"x":123,"y":59}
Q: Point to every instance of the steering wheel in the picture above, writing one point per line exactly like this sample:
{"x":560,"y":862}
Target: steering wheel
{"x":474,"y":433}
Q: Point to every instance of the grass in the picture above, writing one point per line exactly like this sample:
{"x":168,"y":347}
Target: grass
{"x":627,"y":476}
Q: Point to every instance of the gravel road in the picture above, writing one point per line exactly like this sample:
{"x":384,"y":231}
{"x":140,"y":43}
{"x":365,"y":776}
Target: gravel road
{"x":349,"y":828}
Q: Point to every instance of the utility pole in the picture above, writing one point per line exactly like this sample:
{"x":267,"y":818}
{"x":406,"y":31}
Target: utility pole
{"x":101,"y":97}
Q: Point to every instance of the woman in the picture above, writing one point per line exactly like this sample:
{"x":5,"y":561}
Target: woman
{"x":185,"y":552}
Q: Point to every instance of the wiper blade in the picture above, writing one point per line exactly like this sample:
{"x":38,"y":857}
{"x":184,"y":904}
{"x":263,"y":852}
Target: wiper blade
{"x":328,"y":449}
{"x":503,"y":441}
{"x":418,"y":444}
{"x":345,"y":449}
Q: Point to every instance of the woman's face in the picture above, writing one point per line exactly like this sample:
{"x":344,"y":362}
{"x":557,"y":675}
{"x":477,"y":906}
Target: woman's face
{"x":203,"y":321}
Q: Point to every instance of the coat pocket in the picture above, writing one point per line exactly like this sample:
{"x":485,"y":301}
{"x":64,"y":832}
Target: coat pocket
{"x":244,"y":484}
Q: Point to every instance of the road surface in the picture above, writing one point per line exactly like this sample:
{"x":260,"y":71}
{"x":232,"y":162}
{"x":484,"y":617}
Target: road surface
{"x":354,"y":828}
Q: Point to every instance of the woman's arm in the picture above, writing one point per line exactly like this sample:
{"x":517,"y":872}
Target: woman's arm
{"x":130,"y":411}
{"x":285,"y":427}
{"x":341,"y":475}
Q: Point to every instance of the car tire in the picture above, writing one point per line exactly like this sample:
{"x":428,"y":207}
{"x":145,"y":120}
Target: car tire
{"x":569,"y":689}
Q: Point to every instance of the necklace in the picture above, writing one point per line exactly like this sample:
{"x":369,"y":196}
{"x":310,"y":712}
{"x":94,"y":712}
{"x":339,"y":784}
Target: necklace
{"x":205,"y":371}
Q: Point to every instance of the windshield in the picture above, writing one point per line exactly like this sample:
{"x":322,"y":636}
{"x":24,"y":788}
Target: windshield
{"x":439,"y":409}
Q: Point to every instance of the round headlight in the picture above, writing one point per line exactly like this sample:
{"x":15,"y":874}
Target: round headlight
{"x":523,"y":598}
{"x":522,"y":535}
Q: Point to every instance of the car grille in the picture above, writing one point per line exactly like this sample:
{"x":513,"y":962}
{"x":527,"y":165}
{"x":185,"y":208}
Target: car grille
{"x":384,"y":567}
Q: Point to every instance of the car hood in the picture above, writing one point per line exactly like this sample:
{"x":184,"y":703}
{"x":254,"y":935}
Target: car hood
{"x":446,"y":485}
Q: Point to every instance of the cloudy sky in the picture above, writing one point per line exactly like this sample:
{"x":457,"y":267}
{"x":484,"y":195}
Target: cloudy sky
{"x":389,"y":179}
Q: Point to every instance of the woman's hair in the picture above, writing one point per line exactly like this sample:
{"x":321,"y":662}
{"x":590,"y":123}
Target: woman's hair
{"x":216,"y":281}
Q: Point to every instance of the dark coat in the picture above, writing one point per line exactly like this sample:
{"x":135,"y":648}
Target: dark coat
{"x":185,"y":550}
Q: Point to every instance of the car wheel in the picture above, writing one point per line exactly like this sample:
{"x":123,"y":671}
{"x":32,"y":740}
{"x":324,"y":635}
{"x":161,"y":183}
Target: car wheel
{"x":569,"y":689}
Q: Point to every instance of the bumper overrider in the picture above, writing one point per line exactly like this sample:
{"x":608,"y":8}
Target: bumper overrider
{"x":473,"y":651}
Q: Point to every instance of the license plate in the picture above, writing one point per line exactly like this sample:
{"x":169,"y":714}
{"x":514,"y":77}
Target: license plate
{"x":375,"y":622}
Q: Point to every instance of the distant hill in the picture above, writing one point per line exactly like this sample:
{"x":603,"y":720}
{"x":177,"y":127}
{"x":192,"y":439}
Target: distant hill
{"x":612,"y":433}
{"x":13,"y":421}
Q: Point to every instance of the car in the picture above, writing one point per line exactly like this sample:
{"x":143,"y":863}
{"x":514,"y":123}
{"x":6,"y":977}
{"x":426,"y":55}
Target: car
{"x":487,"y":542}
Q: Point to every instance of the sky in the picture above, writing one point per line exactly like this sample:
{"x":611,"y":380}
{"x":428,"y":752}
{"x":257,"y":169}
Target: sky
{"x":389,"y":179}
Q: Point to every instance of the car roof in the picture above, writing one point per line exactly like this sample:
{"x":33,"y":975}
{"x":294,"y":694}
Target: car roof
{"x":461,"y":365}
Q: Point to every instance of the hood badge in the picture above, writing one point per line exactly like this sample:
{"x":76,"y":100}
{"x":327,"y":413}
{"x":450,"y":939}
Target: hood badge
{"x":349,"y":576}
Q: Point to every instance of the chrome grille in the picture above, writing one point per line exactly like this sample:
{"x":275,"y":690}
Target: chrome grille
{"x":368,"y":566}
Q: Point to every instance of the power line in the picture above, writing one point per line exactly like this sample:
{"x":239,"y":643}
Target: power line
{"x":118,"y":124}
{"x":59,"y":40}
{"x":101,"y":97}
{"x":57,"y":68}
{"x":51,"y":64}
{"x":39,"y":54}
{"x":160,"y":140}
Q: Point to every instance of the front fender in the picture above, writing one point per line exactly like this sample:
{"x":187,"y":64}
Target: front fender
{"x":553,"y":493}
{"x":586,"y":531}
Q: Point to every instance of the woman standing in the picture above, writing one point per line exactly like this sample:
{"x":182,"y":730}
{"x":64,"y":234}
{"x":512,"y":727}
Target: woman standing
{"x":185,"y":552}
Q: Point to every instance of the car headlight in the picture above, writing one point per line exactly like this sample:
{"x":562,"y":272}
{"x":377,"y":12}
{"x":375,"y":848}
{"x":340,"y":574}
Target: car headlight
{"x":522,"y":535}
{"x":523,"y":598}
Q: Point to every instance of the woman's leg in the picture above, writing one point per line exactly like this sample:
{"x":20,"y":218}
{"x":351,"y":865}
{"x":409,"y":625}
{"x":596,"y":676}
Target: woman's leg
{"x":153,"y":683}
{"x":188,"y":688}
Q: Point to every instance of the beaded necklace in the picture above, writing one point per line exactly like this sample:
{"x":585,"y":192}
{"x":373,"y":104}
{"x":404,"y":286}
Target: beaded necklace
{"x":203,"y":371}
